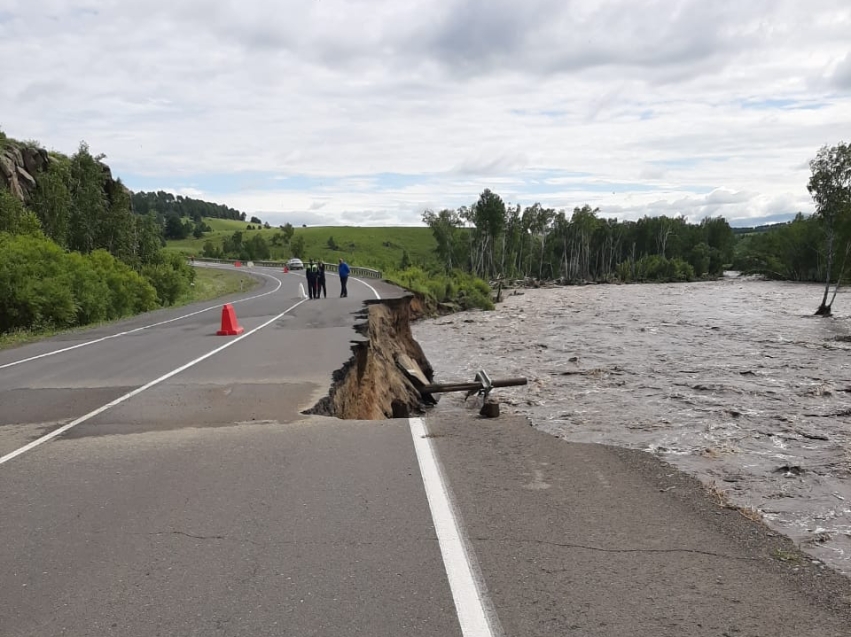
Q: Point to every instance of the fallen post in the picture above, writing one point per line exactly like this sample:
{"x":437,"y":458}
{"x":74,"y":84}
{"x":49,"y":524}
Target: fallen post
{"x":440,"y":388}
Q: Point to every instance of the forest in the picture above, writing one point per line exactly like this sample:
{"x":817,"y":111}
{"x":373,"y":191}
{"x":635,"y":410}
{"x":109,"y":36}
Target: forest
{"x":494,"y":241}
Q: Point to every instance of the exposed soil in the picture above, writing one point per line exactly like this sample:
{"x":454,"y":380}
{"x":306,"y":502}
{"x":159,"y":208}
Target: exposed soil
{"x":373,"y":385}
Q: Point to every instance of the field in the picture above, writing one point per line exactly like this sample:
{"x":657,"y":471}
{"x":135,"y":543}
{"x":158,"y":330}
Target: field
{"x":380,"y":248}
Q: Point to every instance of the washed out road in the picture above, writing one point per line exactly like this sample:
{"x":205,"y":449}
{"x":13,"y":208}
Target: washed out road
{"x":188,"y":495}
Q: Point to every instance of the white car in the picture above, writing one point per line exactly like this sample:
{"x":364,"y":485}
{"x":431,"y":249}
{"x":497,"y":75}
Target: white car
{"x":295,"y":264}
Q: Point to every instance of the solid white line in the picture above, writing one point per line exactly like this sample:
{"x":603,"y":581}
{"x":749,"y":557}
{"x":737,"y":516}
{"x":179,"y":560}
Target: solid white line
{"x":469,"y":598}
{"x":145,"y":327}
{"x":139,"y":390}
{"x":374,"y":291}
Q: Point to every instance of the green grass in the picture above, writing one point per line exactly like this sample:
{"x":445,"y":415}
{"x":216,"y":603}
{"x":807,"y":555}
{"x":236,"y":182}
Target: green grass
{"x":209,"y":284}
{"x":226,"y":225}
{"x":379,"y":248}
{"x":213,"y":284}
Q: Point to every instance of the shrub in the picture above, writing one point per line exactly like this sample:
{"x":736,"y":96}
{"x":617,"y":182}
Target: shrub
{"x":456,"y":287}
{"x":42,"y":286}
{"x":171,"y":278}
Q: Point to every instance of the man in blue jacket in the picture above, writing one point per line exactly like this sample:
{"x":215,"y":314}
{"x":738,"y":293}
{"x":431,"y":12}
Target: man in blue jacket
{"x":343,"y":271}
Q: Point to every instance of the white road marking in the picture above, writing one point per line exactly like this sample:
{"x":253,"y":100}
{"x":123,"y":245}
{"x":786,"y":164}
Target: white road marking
{"x":466,"y":590}
{"x":374,"y":291}
{"x":145,"y":327}
{"x":139,"y":390}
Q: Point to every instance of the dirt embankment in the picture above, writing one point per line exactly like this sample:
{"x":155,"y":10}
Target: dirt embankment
{"x":374,"y":383}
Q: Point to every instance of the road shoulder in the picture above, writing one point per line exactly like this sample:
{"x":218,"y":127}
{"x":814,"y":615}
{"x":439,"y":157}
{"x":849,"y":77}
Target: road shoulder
{"x":594,"y":540}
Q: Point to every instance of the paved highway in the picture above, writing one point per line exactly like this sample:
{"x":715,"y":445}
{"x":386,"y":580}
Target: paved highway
{"x":187,"y":495}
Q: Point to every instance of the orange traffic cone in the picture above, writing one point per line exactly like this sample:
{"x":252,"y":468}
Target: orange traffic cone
{"x":230,"y":326}
{"x":286,"y":269}
{"x":238,"y":264}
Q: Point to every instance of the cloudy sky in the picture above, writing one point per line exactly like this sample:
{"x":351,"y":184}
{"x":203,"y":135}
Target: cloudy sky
{"x":367,"y":112}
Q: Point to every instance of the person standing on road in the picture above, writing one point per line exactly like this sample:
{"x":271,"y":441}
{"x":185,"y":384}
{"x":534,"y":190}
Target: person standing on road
{"x":343,"y":271}
{"x":315,"y":268}
{"x":320,"y":281}
{"x":311,"y":280}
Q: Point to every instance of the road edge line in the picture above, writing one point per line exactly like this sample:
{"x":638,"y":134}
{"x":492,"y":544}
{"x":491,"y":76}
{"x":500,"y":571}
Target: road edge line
{"x":471,"y":604}
{"x":58,"y":432}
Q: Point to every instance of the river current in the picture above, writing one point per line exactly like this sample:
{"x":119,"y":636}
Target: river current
{"x":734,"y":381}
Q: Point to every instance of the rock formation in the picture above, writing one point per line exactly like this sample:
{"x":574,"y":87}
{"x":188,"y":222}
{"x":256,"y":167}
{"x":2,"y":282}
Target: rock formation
{"x":20,"y":166}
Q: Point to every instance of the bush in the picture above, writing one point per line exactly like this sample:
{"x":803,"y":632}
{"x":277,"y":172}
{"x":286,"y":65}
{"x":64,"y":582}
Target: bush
{"x":14,"y":217}
{"x":460,"y":288}
{"x":171,"y":278}
{"x":42,"y":286}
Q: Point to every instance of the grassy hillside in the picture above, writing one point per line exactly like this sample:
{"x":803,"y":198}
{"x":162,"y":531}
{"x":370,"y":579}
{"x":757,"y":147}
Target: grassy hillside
{"x":380,"y":248}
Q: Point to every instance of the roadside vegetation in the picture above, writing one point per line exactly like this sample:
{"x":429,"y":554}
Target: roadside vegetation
{"x":208,"y":284}
{"x":72,"y":252}
{"x":444,"y":291}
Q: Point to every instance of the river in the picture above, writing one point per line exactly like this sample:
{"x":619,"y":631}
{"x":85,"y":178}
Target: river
{"x":734,"y":381}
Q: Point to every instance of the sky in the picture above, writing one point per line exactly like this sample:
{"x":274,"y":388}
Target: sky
{"x":368,"y":112}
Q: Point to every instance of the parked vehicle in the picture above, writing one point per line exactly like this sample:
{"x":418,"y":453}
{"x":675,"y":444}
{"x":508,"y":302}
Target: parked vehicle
{"x":295,"y":264}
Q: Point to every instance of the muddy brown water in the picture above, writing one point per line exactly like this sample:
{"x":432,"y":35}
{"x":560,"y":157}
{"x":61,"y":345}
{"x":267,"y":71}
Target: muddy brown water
{"x":734,"y":381}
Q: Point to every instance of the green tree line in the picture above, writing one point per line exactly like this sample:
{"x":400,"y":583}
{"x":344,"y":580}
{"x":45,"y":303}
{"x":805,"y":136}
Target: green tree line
{"x":493,"y":240}
{"x":165,"y":203}
{"x":76,"y":254}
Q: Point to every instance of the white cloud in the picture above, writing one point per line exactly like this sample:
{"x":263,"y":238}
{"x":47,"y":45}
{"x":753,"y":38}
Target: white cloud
{"x":667,"y":100}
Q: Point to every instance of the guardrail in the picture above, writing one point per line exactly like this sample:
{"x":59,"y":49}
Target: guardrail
{"x":354,"y":270}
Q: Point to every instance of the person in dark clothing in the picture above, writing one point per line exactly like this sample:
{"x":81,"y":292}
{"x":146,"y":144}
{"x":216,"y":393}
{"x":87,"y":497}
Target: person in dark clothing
{"x":311,"y":280}
{"x":343,"y":271}
{"x":320,"y":281}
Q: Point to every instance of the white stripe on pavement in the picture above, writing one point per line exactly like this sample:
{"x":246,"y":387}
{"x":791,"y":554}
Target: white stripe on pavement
{"x":145,"y":327}
{"x":139,"y":390}
{"x":466,"y":590}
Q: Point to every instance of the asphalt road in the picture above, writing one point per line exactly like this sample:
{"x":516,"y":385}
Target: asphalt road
{"x":190,"y":497}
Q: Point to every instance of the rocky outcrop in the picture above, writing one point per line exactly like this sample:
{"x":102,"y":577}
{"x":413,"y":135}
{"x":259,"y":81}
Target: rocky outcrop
{"x":20,"y":166}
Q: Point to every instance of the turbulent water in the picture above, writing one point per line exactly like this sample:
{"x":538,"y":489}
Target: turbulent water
{"x":735,"y":381}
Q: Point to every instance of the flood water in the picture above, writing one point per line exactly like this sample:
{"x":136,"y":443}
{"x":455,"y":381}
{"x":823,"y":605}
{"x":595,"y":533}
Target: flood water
{"x":734,"y":381}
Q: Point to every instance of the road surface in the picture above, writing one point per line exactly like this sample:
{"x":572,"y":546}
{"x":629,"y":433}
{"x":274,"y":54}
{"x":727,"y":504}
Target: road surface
{"x":186,"y":494}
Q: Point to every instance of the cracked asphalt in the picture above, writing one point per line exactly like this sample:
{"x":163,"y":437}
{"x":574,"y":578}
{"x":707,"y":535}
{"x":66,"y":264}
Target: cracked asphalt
{"x":208,"y":505}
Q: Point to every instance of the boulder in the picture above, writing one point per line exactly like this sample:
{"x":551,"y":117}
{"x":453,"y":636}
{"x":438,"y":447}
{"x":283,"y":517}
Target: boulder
{"x":35,"y":159}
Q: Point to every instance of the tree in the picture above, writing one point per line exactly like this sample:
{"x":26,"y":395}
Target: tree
{"x":488,"y":217}
{"x":175,"y":228}
{"x":445,"y":226}
{"x":288,"y":231}
{"x":256,"y":220}
{"x":88,"y":199}
{"x":405,"y":263}
{"x":14,"y":217}
{"x":257,"y":248}
{"x":332,"y":245}
{"x":149,"y":235}
{"x":830,"y":188}
{"x":298,"y":247}
{"x":52,"y":200}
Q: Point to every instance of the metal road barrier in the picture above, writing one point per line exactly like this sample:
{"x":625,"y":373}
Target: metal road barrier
{"x":354,"y":270}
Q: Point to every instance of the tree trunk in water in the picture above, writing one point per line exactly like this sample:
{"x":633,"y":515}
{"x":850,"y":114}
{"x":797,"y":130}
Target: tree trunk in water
{"x":824,"y":308}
